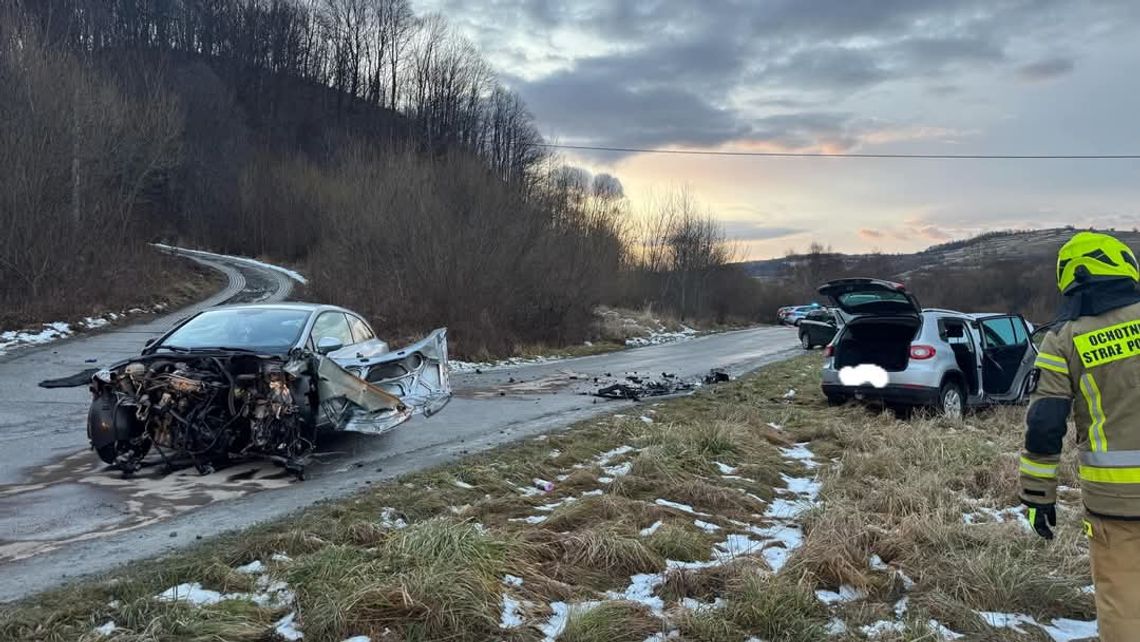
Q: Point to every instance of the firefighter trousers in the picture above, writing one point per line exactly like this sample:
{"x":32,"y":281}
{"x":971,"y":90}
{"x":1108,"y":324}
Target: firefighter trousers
{"x":1114,"y":548}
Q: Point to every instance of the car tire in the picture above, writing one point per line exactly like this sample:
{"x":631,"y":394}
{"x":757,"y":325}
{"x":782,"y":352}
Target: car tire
{"x":836,"y":399}
{"x":951,"y":400}
{"x":805,"y":341}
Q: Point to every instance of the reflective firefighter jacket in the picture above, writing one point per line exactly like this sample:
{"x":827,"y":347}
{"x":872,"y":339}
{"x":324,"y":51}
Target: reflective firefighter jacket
{"x":1090,"y":367}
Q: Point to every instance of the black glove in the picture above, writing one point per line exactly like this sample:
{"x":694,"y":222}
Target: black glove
{"x":1041,"y":517}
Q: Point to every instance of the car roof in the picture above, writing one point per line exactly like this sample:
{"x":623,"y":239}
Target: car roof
{"x":298,"y":306}
{"x":974,"y":316}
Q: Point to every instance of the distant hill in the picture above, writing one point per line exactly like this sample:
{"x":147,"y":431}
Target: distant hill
{"x":1004,"y":245}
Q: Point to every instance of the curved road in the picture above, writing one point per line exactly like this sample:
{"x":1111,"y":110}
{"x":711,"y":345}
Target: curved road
{"x":63,"y":514}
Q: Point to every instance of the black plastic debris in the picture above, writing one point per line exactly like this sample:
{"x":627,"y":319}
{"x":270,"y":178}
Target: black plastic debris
{"x":717,"y":375}
{"x":74,"y":381}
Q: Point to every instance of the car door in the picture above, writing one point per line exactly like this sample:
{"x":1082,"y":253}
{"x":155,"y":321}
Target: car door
{"x":1006,"y":355}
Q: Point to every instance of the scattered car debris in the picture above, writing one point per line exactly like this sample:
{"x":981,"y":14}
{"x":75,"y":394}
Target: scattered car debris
{"x":635,"y":386}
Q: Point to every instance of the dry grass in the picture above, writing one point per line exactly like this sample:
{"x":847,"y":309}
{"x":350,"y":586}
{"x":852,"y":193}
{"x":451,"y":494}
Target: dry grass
{"x":896,"y":489}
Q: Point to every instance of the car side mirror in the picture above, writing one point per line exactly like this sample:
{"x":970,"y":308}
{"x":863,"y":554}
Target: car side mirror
{"x":150,"y":342}
{"x":329,"y":344}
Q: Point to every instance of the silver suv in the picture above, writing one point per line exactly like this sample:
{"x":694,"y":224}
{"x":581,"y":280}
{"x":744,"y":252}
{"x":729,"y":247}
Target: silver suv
{"x":935,"y":358}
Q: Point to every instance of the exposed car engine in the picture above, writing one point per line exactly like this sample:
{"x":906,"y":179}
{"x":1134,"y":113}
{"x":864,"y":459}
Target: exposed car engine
{"x":204,"y":408}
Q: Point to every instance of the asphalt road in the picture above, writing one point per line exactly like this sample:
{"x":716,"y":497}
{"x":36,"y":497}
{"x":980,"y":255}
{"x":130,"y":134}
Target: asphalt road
{"x":64,"y":515}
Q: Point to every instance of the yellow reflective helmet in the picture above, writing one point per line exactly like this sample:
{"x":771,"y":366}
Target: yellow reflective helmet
{"x":1092,"y":256}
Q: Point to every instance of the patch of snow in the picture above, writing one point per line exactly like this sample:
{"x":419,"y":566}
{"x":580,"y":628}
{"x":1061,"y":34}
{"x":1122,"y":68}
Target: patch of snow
{"x":882,"y":627}
{"x":877,"y":564}
{"x":502,"y":364}
{"x":725,"y":469}
{"x":987,"y":515}
{"x":901,"y":607}
{"x":698,"y":606}
{"x":1089,"y":590}
{"x":661,"y":336}
{"x":1060,"y":630}
{"x":605,"y":458}
{"x":280,"y":557}
{"x":620,"y":470}
{"x":556,"y":624}
{"x":554,"y":454}
{"x":707,"y":527}
{"x":800,"y":453}
{"x":790,"y":394}
{"x":786,"y":509}
{"x":390,"y":518}
{"x":357,"y":638}
{"x":594,"y":493}
{"x":1012,"y":621}
{"x":681,"y":507}
{"x":253,"y":568}
{"x":844,"y":594}
{"x":510,"y":617}
{"x":533,"y":519}
{"x":106,"y":629}
{"x":462,"y":484}
{"x":649,"y":530}
{"x":192,"y":593}
{"x":645,"y":420}
{"x":512,"y":580}
{"x":836,"y":627}
{"x":553,"y":505}
{"x":605,"y":480}
{"x":46,"y":334}
{"x":908,"y":584}
{"x":641,"y":590}
{"x":562,"y":477}
{"x":739,"y":478}
{"x":942,"y":631}
{"x":736,"y":545}
{"x":807,"y":487}
{"x":286,"y":627}
{"x":775,"y":426}
{"x":114,"y":604}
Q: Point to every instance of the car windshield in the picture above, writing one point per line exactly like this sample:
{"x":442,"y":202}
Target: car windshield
{"x":257,"y":329}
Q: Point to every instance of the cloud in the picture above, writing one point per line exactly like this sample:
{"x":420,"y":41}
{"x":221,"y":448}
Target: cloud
{"x":756,"y":231}
{"x":1044,"y":70}
{"x":871,"y":234}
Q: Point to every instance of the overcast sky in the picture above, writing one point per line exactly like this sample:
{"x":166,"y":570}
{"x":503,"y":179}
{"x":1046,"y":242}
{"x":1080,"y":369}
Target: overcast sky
{"x":937,"y":76}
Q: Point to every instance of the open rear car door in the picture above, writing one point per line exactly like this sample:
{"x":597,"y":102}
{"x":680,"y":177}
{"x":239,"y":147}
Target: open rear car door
{"x":870,"y":297}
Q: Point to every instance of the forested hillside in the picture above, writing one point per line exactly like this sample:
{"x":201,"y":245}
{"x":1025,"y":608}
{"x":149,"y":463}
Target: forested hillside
{"x":371,"y":146}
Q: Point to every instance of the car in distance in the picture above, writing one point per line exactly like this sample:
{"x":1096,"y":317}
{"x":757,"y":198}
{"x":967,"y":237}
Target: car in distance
{"x":818,"y":328}
{"x":260,"y":380}
{"x":942,"y":359}
{"x":794,"y":314}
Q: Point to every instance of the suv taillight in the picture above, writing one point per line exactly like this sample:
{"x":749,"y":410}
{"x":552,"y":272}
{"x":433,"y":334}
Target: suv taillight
{"x":922,"y":353}
{"x":828,"y":352}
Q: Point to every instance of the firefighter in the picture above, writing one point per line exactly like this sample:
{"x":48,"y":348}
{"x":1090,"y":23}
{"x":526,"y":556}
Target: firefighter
{"x":1089,"y":366}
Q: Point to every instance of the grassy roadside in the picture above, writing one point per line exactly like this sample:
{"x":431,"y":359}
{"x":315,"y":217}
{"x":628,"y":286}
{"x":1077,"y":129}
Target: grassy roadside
{"x":668,"y":520}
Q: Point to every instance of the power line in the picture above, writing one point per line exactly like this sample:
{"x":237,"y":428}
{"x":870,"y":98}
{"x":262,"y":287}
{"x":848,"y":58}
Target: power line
{"x":715,"y":152}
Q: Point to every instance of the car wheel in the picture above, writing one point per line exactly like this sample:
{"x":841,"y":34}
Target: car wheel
{"x":797,"y":323}
{"x":805,"y":341}
{"x":836,"y":400}
{"x":951,"y":401}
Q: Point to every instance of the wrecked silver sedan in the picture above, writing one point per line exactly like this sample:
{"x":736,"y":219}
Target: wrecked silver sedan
{"x":260,"y":380}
